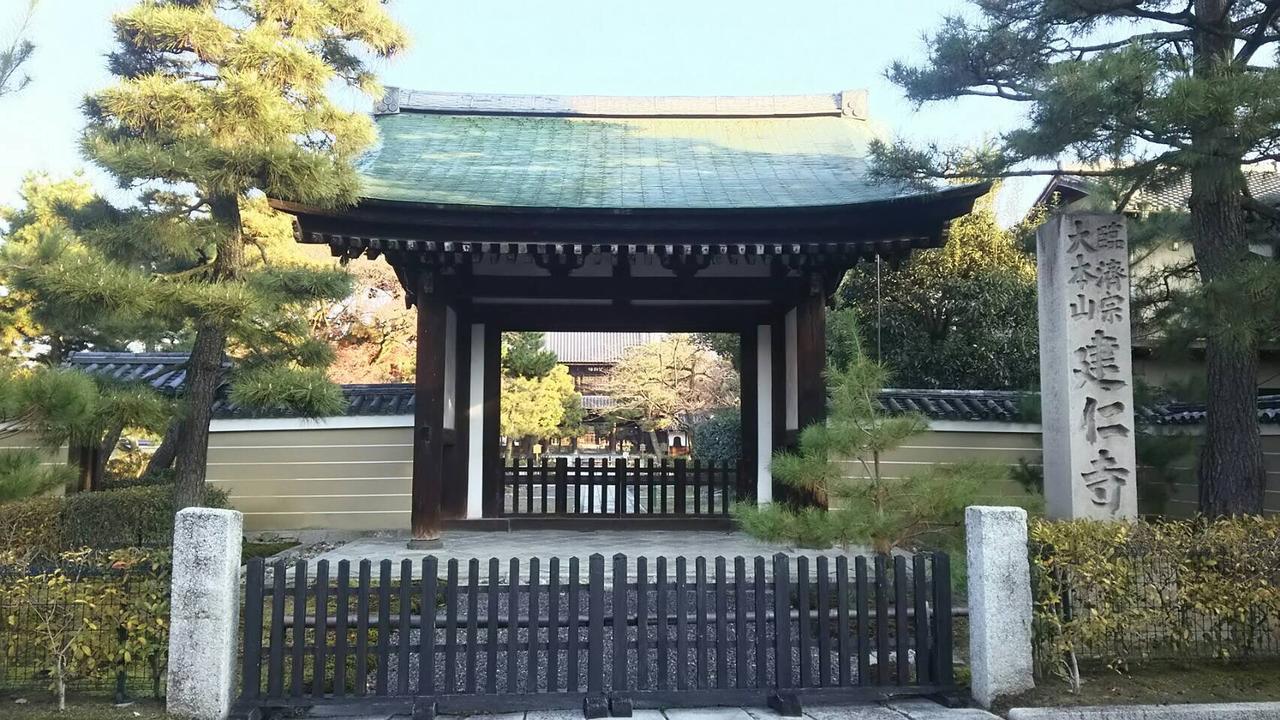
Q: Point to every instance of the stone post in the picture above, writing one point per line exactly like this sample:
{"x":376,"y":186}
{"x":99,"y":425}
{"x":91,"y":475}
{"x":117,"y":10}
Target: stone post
{"x":999,"y":602}
{"x":204,"y":612}
{"x":1086,"y":367}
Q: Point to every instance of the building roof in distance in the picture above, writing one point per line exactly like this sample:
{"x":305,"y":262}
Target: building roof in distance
{"x":1264,"y":185}
{"x":625,"y":153}
{"x":164,"y":371}
{"x":589,"y":348}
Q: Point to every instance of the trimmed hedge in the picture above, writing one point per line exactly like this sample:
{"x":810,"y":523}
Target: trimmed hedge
{"x":139,"y":516}
{"x":1122,"y":593}
{"x":718,"y":438}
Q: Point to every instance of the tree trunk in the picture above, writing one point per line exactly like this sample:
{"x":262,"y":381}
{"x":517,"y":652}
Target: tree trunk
{"x":102,"y":454}
{"x":81,"y":454}
{"x":162,"y":458}
{"x":204,"y":370}
{"x":655,"y":448}
{"x":1231,"y":472}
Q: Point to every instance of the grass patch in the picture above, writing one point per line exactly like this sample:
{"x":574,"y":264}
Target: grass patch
{"x":80,"y":709}
{"x":1160,"y":684}
{"x":251,"y":550}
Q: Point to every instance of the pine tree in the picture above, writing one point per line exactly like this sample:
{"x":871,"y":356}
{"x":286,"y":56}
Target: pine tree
{"x":1150,"y":92}
{"x":15,"y":55}
{"x":839,"y":460}
{"x":523,"y":355}
{"x":215,"y":103}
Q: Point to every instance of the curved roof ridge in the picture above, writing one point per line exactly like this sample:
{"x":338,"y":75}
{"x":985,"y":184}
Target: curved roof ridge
{"x":846,"y":103}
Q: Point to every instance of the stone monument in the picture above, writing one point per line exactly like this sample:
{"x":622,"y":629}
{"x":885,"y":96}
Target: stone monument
{"x":1086,"y":367}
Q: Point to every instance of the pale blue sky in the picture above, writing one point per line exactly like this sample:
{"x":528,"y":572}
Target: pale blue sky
{"x":649,"y":47}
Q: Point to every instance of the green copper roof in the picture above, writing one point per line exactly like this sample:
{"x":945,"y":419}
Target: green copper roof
{"x":488,"y":157}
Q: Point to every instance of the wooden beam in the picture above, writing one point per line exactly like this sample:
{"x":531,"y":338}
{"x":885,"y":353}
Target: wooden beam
{"x":428,"y":433}
{"x":811,"y":357}
{"x":779,"y":404}
{"x":493,"y":491}
{"x":622,"y":318}
{"x":576,"y":287}
{"x":747,"y":413}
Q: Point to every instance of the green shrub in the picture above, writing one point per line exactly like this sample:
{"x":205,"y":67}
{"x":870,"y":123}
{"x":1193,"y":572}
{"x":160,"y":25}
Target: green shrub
{"x":139,"y":516}
{"x":24,"y":474}
{"x":29,"y":526}
{"x":87,"y":615}
{"x":718,"y":438}
{"x":1122,"y":593}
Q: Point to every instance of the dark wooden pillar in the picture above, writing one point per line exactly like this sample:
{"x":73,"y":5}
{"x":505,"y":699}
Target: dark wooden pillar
{"x":747,"y":413}
{"x":811,"y":358}
{"x":778,"y":343}
{"x":454,"y":499}
{"x":428,"y":432}
{"x":492,"y":393}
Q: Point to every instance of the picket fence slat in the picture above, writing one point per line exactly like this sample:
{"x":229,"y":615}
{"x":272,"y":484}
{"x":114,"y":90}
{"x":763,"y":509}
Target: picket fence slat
{"x":427,"y":633}
{"x":299,"y":627}
{"x":642,"y":623}
{"x":824,"y":622}
{"x":802,"y":617}
{"x":553,"y":626}
{"x":362,"y":628}
{"x":384,"y":626}
{"x":251,"y":660}
{"x":664,"y":681}
{"x":596,"y":487}
{"x":342,"y":614}
{"x":901,"y":630}
{"x":774,"y":623}
{"x":473,"y":621}
{"x":451,"y":627}
{"x":319,"y":670}
{"x":402,"y":629}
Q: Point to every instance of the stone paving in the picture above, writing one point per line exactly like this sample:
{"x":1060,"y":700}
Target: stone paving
{"x":524,"y":545}
{"x":896,"y":710}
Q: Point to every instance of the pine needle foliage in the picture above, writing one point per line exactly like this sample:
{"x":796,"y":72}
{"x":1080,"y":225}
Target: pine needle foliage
{"x":1149,"y":93}
{"x":840,"y":460}
{"x":215,"y":104}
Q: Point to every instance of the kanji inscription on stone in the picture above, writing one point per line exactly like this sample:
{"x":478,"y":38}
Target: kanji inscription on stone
{"x":1086,"y":367}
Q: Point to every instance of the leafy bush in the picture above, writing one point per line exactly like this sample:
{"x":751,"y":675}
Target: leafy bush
{"x":86,"y":615}
{"x":139,"y":516}
{"x":718,"y":438}
{"x":29,"y":527}
{"x":1122,"y":593}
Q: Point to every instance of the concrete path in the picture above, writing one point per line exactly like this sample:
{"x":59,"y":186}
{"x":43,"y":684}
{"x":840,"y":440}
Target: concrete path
{"x":524,"y":545}
{"x":896,"y":710}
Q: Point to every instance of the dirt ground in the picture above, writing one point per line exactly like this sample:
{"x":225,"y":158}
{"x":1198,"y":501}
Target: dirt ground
{"x":1163,"y":683}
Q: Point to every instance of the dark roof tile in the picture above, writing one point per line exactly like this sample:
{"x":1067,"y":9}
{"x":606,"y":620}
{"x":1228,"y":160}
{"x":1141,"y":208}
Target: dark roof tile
{"x":165,"y":372}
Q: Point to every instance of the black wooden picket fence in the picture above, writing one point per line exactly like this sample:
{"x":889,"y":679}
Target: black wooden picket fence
{"x":652,"y":633}
{"x":618,"y":488}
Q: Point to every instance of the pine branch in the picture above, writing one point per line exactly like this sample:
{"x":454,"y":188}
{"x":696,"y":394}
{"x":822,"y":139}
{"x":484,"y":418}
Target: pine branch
{"x":1164,"y":37}
{"x":1259,"y":36}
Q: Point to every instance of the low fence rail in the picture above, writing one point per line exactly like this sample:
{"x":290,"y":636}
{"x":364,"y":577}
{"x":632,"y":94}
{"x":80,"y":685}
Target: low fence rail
{"x":619,"y":488}
{"x":679,"y":632}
